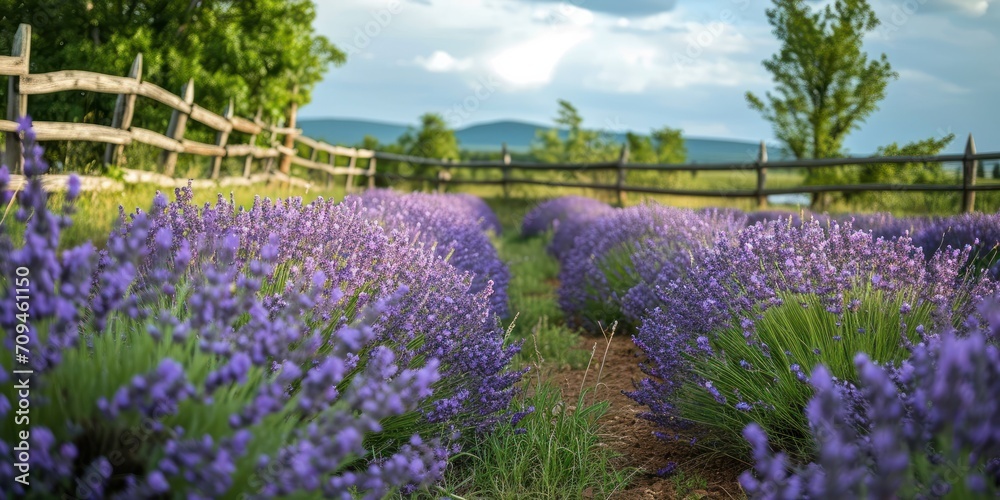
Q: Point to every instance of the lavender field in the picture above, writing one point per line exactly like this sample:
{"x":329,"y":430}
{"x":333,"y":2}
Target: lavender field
{"x":364,"y":349}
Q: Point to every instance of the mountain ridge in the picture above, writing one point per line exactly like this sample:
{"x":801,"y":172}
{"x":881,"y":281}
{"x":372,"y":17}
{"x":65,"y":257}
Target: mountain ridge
{"x":488,"y":136}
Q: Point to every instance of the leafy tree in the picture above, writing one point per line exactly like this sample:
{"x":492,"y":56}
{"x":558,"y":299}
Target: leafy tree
{"x":996,"y":170}
{"x":669,"y":144}
{"x":665,"y":145}
{"x":433,"y":139}
{"x":252,"y":51}
{"x":826,"y":86}
{"x":980,"y":170}
{"x":579,"y":145}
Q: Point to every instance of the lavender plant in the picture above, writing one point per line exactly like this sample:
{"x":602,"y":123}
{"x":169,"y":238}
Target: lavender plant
{"x":608,"y":274}
{"x":572,"y":224}
{"x":550,"y":214}
{"x":774,"y":299}
{"x":281,"y":350}
{"x":452,"y":234}
{"x":931,"y":427}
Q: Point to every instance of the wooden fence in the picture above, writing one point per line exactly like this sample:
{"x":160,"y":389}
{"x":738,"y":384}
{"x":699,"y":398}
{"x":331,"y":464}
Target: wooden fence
{"x":281,"y":141}
{"x":968,"y":188}
{"x":281,"y":145}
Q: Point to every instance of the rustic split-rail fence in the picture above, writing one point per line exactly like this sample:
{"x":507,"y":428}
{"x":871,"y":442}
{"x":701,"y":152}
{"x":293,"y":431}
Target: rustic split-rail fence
{"x":272,"y":162}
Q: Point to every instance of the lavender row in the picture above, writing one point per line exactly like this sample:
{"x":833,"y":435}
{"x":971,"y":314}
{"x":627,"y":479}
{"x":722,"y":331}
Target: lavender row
{"x":741,"y":315}
{"x":453,"y":227}
{"x":285,"y":349}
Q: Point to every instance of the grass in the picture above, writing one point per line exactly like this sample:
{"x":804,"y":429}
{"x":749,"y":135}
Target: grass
{"x":97,"y":212}
{"x":556,"y":453}
{"x":800,"y":331}
{"x":687,"y":485}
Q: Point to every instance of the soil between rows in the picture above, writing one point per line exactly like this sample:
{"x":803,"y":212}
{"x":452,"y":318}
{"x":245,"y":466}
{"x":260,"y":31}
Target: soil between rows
{"x":631,"y":436}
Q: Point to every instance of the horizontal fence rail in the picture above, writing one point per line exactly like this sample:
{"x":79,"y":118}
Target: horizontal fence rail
{"x":276,"y":145}
{"x":270,"y":143}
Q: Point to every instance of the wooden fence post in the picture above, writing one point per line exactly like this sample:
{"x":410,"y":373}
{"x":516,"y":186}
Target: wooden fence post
{"x":17,"y":103}
{"x":178,"y":124}
{"x":506,"y":171}
{"x":293,"y":111}
{"x":761,"y":175}
{"x":969,"y":177}
{"x":124,"y":110}
{"x":248,"y":161}
{"x":332,"y":159}
{"x":349,"y":183}
{"x":371,"y":173}
{"x":272,"y":142}
{"x":622,"y":160}
{"x":221,"y":137}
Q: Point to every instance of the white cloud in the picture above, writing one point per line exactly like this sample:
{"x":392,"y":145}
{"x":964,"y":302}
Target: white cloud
{"x":442,"y":62}
{"x":533,"y":63}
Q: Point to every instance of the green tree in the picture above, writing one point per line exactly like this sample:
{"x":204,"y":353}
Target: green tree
{"x":996,"y":170}
{"x":433,"y":139}
{"x":569,"y":142}
{"x":826,"y":86}
{"x":253,"y":51}
{"x":665,"y":146}
{"x":669,"y":145}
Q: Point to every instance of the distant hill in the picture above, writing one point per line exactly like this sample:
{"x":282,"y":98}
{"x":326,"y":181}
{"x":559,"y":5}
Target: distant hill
{"x":517,"y":135}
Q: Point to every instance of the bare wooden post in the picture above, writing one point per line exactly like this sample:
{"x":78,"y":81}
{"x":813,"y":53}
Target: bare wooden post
{"x":272,"y":142}
{"x":221,"y":137}
{"x":178,"y":124}
{"x":761,"y":175}
{"x":622,"y":160}
{"x":506,"y":171}
{"x":293,"y":111}
{"x":248,"y":162}
{"x":443,"y":176}
{"x":332,"y":159}
{"x":17,"y":103}
{"x":349,"y":184}
{"x":124,"y":110}
{"x":969,"y":176}
{"x":371,"y":173}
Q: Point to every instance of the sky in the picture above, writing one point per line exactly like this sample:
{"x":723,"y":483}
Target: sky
{"x":643,"y":64}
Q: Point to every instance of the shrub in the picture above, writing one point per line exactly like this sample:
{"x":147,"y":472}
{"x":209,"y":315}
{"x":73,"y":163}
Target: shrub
{"x":606,"y":276}
{"x":751,"y":383}
{"x":452,"y":234}
{"x":931,"y":427}
{"x":285,"y":349}
{"x":734,"y":290}
{"x":550,"y":214}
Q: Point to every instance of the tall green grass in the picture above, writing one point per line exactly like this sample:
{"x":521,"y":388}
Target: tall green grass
{"x":800,"y":331}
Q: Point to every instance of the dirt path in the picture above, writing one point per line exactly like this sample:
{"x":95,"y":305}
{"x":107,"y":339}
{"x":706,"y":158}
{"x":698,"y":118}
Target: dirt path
{"x":631,"y":436}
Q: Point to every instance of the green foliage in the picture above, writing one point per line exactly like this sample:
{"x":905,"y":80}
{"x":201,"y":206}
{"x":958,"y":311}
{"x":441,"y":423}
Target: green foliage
{"x":433,"y":139}
{"x":793,"y":331}
{"x":547,"y":341}
{"x":904,"y":173}
{"x":579,"y":146}
{"x":665,"y":146}
{"x":253,"y":52}
{"x":825,"y":84}
{"x":687,"y":486}
{"x":558,"y":455}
